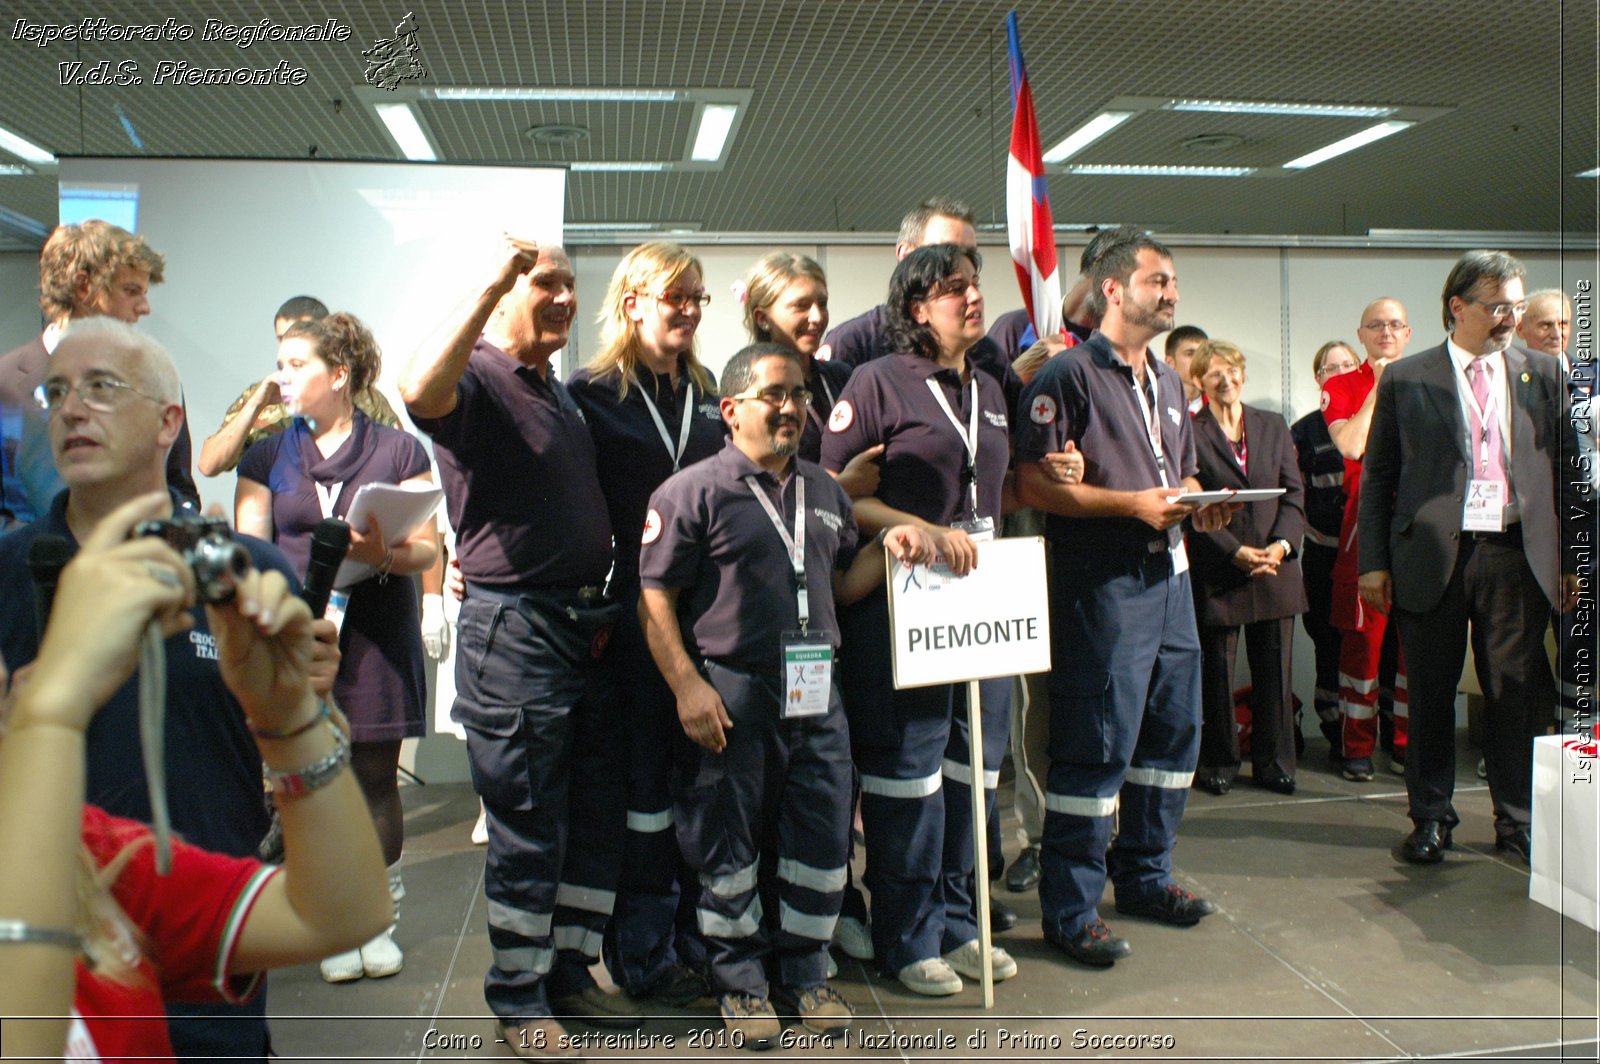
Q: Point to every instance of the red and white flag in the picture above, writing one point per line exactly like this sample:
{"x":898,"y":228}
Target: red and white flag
{"x":1029,"y":226}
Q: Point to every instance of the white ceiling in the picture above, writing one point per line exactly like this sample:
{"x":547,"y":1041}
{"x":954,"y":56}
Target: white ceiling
{"x":857,"y":110}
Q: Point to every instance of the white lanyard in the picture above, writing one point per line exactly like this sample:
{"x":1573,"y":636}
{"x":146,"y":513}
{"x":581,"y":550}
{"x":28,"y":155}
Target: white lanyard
{"x":969,"y":435}
{"x":327,"y":495}
{"x":661,"y":426}
{"x":1152,"y":422}
{"x":1489,"y":410}
{"x":795,"y":544}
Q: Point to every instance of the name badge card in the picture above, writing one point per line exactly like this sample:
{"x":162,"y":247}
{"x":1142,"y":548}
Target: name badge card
{"x":980,"y":530}
{"x":807,"y":674}
{"x":1485,"y":507}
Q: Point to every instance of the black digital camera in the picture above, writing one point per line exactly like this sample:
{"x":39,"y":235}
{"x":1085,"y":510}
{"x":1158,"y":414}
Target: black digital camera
{"x":207,"y":545}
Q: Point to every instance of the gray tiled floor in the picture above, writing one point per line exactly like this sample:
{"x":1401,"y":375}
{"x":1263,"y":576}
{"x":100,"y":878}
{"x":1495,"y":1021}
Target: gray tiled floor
{"x":1327,"y":947}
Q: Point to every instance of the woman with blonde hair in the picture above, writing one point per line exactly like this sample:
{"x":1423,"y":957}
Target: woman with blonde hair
{"x":95,"y":937}
{"x":651,"y":407}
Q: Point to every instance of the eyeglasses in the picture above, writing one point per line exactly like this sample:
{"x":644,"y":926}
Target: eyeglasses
{"x":954,"y":286}
{"x":776,"y":397}
{"x":96,"y":393}
{"x":680,"y":300}
{"x":1386,"y":326}
{"x":1500,"y":310}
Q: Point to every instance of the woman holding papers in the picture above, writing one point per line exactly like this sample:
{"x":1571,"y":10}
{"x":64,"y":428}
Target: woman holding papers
{"x":941,"y":425}
{"x":652,"y":410}
{"x":1247,"y":574}
{"x":291,"y":481}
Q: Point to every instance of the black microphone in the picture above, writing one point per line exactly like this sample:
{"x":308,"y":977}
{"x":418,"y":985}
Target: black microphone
{"x":47,"y":556}
{"x":330,"y":540}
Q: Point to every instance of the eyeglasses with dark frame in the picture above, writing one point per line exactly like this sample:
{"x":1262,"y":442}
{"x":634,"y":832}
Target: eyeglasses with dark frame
{"x":1500,"y":310}
{"x":1385,"y":326}
{"x":777,"y":396}
{"x":102,"y":394}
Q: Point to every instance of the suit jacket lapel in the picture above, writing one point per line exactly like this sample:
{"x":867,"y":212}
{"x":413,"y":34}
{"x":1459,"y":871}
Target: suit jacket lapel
{"x":1210,"y":431}
{"x":1439,"y":385}
{"x":1519,"y":385}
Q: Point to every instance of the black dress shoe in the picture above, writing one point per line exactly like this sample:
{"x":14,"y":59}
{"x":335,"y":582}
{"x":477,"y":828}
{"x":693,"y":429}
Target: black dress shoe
{"x":1517,"y":842}
{"x":1170,"y":905}
{"x":1426,"y":843}
{"x":1275,"y":781}
{"x":1002,"y":917}
{"x":1210,"y":781}
{"x":1023,"y":875}
{"x":1094,"y":945}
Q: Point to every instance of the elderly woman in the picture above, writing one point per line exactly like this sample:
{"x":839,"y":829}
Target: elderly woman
{"x":1245,"y":575}
{"x":1322,"y":472}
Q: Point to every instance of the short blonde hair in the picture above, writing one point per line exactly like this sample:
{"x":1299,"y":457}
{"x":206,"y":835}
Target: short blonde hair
{"x":766,"y":281}
{"x":657,"y":264}
{"x":1212,"y":350}
{"x":94,"y":249}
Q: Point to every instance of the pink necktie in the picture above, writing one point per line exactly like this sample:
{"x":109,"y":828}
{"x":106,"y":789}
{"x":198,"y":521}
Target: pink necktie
{"x":1485,"y":438}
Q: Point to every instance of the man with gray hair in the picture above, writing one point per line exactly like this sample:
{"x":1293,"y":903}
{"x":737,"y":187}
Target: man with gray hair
{"x":1548,"y":323}
{"x":1458,"y":531}
{"x":112,"y":410}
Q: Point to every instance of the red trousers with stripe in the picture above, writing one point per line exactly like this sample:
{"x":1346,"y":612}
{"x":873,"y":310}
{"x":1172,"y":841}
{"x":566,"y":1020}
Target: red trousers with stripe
{"x":1360,"y":650}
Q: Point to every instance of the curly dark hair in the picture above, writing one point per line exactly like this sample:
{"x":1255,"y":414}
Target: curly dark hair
{"x":914,"y":279}
{"x":341,"y":340}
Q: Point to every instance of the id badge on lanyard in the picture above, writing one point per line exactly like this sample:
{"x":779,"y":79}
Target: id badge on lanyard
{"x":807,"y":655}
{"x":675,"y":453}
{"x":979,"y":529}
{"x":1485,"y":506}
{"x":1148,"y":409}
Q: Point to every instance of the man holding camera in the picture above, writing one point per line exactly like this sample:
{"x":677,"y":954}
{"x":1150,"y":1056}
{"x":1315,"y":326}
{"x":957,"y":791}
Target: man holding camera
{"x":112,"y":406}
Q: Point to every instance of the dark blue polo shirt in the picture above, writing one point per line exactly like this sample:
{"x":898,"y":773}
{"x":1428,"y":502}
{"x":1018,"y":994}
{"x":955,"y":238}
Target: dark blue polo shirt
{"x":518,"y":469}
{"x":827,"y":385}
{"x":1322,"y":469}
{"x":1085,"y":394}
{"x":860,"y":340}
{"x":887,"y":401}
{"x":632,"y":458}
{"x":213,"y":767}
{"x":709,"y":537}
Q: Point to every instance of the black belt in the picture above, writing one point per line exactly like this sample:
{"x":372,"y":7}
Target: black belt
{"x":1510,"y":537}
{"x":513,"y":595}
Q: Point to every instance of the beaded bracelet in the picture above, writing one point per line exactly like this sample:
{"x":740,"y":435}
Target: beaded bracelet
{"x":19,"y":932}
{"x":324,"y":711}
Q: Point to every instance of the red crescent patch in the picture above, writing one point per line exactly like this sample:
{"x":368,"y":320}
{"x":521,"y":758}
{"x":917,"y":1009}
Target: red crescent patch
{"x":1043,"y":410}
{"x":652,"y":528}
{"x":843,"y":415}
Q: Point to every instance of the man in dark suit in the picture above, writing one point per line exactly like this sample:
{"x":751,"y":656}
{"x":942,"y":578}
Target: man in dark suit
{"x":1458,"y":528}
{"x":88,"y":270}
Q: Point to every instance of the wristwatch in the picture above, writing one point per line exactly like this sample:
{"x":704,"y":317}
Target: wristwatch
{"x":1288,"y":549}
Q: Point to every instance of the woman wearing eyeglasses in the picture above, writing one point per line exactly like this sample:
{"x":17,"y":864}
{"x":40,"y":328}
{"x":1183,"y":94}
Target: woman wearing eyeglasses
{"x":1246,"y":575}
{"x":785,"y":299}
{"x":946,"y":448}
{"x":287,"y":484}
{"x":1322,"y":472}
{"x":652,"y":410}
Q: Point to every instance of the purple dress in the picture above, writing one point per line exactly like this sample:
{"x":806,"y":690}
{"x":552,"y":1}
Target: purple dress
{"x":380,"y":685}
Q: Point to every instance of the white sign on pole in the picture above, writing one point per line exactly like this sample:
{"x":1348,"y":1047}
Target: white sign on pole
{"x":995,"y":621}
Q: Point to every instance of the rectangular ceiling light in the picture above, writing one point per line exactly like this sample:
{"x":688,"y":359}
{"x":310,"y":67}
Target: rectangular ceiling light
{"x":401,"y":121}
{"x":1266,"y":107}
{"x":1589,"y":173}
{"x":1110,"y":170}
{"x":574,"y":94}
{"x":15,"y":170}
{"x":1350,"y":143}
{"x":716,"y":122}
{"x":23,"y":148}
{"x":618,"y":167}
{"x":1086,"y":134}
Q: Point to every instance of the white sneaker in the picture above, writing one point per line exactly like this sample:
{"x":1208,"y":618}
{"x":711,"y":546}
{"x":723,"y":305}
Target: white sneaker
{"x":931,"y":977}
{"x":343,"y":967}
{"x":968,"y":961}
{"x":382,"y":957}
{"x":854,"y":937}
{"x":480,"y":830}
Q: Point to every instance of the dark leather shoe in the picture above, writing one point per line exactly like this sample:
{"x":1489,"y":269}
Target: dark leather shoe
{"x":1023,"y":875}
{"x":1426,"y":843}
{"x":1210,"y":781}
{"x":1518,"y":843}
{"x":1002,"y":917}
{"x":1275,"y":781}
{"x":1170,"y":905}
{"x":1094,"y":945}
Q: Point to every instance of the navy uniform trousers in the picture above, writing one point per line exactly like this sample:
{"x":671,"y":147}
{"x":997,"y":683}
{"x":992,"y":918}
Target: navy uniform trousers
{"x":544,"y":747}
{"x":652,"y":926}
{"x":1124,"y":727}
{"x":766,"y":823}
{"x":909,"y":745}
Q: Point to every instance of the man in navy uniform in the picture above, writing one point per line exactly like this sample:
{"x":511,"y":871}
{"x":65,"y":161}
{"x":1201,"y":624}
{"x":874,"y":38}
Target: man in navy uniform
{"x":743,"y":557}
{"x":534,"y":543}
{"x":1125,"y":688}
